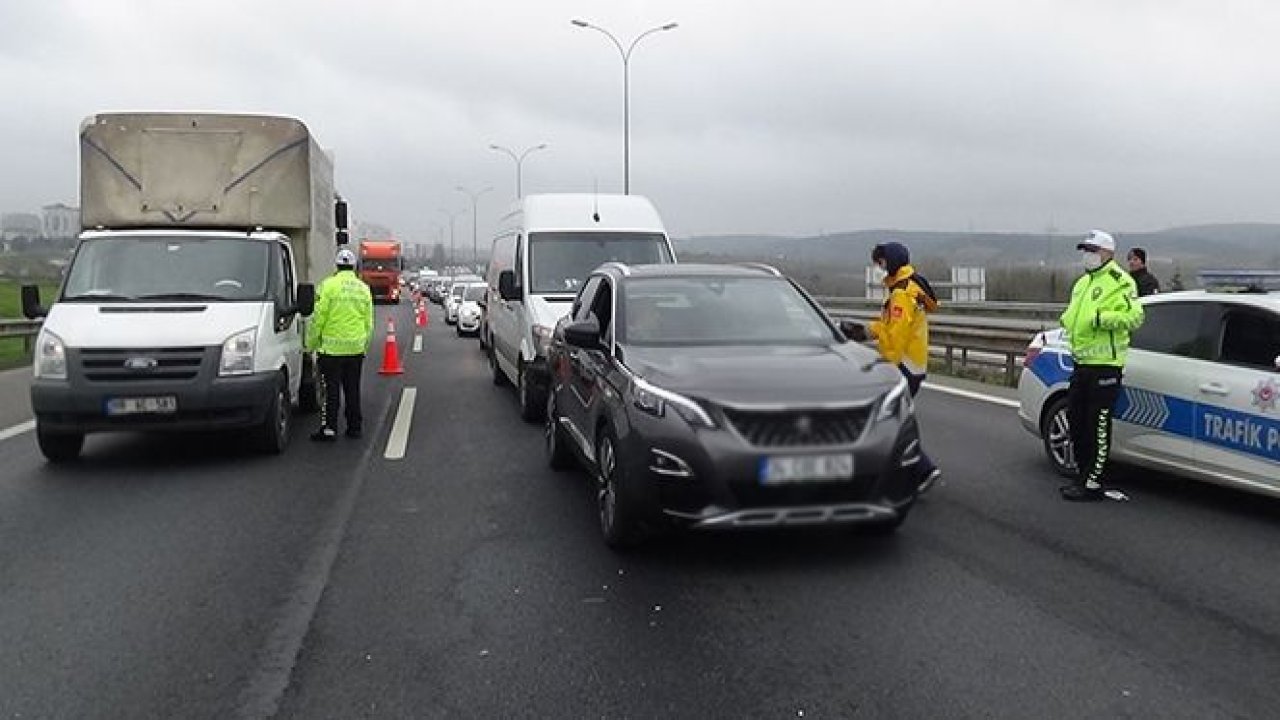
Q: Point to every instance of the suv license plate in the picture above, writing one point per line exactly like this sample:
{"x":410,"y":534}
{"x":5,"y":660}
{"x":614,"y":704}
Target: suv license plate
{"x":138,"y":405}
{"x":785,"y":469}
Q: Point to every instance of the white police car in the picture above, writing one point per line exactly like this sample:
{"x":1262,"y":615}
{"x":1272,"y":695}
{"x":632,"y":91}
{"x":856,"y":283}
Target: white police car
{"x":1201,"y":394}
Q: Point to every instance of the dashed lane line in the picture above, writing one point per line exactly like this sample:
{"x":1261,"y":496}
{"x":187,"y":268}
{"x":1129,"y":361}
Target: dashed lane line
{"x":398,"y":440}
{"x":17,"y":430}
{"x":1004,"y":402}
{"x":417,"y":343}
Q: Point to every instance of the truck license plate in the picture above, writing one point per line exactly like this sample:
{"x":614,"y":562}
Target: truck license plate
{"x":784,"y":469}
{"x":138,"y":405}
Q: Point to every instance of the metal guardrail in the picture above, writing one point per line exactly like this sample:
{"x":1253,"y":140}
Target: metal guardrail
{"x":25,"y":329}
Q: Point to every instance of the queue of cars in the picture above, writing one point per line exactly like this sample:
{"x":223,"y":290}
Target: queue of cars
{"x":695,"y":396}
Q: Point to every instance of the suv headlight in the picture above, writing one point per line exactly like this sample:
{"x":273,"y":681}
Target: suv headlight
{"x":654,"y":400}
{"x":542,"y":339}
{"x":237,"y":353}
{"x":50,"y":357}
{"x":896,"y":403}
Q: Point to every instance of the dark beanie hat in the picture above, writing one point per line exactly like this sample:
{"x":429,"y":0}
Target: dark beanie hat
{"x":895,"y":255}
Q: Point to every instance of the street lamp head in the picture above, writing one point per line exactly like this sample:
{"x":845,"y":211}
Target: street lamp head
{"x":542,"y":146}
{"x":580,"y":23}
{"x":670,"y":26}
{"x":493,"y":146}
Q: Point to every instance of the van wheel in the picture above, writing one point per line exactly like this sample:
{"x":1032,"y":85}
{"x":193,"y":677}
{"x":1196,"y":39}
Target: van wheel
{"x":499,"y":378}
{"x":273,"y":434}
{"x":1055,"y":432}
{"x":59,"y":447}
{"x":531,"y":405}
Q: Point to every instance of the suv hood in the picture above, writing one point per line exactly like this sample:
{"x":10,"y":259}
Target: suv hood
{"x":753,"y":375}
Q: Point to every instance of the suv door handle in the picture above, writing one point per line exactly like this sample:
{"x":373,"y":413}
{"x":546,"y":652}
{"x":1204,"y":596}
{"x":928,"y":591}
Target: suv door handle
{"x":1214,"y":389}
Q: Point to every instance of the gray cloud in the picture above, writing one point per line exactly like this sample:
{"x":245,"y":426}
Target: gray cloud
{"x":751,"y":117}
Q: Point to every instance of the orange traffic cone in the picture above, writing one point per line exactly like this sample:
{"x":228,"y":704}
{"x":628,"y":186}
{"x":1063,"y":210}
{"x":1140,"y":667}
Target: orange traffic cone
{"x":420,"y":315}
{"x":390,"y":353}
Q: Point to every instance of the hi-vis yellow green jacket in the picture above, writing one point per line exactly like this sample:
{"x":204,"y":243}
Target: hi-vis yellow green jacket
{"x":342,"y":323}
{"x":902,"y":332}
{"x":1104,"y":309}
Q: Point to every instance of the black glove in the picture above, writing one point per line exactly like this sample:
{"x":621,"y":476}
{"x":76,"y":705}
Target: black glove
{"x":855,"y":331}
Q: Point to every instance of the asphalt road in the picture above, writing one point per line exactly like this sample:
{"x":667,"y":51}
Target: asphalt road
{"x":187,"y":577}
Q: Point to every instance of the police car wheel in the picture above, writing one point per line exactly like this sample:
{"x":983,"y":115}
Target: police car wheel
{"x":1055,"y":432}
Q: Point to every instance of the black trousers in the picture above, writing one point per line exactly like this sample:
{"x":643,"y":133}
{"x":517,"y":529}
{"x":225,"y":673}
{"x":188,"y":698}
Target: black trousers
{"x":914,"y":381}
{"x":340,"y":381}
{"x":1091,"y":396}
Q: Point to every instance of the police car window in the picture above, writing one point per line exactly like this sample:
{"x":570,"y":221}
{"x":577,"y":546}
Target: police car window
{"x":1175,"y":329}
{"x":1250,"y":338}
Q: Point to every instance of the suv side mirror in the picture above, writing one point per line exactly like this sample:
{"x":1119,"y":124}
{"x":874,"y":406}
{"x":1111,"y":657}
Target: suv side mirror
{"x":31,"y":302}
{"x":507,"y":285}
{"x":306,"y":299}
{"x":584,"y":334}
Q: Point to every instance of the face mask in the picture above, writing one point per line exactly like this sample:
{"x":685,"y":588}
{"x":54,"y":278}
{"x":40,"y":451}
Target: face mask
{"x":1092,"y":260}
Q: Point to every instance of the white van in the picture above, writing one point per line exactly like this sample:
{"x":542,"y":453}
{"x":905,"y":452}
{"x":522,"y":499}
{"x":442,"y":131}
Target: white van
{"x":545,"y":248}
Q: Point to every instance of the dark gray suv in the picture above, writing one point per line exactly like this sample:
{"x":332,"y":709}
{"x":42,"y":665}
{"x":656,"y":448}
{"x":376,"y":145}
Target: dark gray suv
{"x":722,"y":396}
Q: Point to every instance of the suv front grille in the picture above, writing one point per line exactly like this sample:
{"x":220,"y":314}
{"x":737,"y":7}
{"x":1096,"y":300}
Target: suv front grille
{"x":797,"y":428}
{"x":135,"y":365}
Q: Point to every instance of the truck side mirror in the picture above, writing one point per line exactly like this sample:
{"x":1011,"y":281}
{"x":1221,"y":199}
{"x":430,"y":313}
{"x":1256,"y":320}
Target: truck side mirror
{"x":31,"y":302}
{"x":340,"y":214}
{"x":507,"y":285}
{"x":306,"y":299}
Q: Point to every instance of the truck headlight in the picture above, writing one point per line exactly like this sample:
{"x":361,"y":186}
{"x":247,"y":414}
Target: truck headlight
{"x":50,"y":357}
{"x":237,"y":353}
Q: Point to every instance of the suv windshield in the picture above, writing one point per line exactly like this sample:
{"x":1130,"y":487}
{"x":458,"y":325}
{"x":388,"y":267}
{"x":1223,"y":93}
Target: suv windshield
{"x":718,"y":311}
{"x":561,"y":261}
{"x":475,"y":293}
{"x":168,"y":267}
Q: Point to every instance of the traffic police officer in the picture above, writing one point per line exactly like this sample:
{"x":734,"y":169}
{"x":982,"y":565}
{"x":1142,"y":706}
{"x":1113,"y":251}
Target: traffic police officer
{"x":1103,"y":311}
{"x":339,"y":332}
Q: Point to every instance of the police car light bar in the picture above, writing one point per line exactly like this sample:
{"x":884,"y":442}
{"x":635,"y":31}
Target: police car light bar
{"x":1240,"y":280}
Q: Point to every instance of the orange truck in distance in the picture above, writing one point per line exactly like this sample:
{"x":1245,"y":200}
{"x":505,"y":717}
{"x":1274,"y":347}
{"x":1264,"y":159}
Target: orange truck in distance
{"x":380,"y":266}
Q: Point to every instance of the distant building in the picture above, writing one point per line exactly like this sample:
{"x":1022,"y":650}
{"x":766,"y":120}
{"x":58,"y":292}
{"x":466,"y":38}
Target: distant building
{"x":19,"y":225}
{"x":60,"y":221}
{"x":365,"y":230}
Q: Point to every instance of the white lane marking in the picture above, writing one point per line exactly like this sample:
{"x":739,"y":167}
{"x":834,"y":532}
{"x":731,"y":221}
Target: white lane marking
{"x":398,"y":440}
{"x":17,"y":430}
{"x":417,"y":343}
{"x":1006,"y":402}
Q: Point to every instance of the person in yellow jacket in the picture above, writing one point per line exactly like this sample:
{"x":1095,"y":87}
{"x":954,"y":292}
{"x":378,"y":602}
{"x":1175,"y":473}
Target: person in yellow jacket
{"x":1103,"y":311}
{"x":339,"y":332}
{"x":902,"y":332}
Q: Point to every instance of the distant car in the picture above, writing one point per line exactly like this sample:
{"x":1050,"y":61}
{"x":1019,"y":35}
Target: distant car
{"x":713,"y":396}
{"x":471,"y":309}
{"x":1201,"y":392}
{"x":453,"y":296}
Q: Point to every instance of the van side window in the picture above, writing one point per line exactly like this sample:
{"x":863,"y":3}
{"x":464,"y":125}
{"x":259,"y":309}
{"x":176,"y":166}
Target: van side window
{"x":518,"y":266}
{"x":286,"y":265}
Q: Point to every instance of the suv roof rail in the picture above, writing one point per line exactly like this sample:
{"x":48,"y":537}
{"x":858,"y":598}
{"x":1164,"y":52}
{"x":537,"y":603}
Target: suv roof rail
{"x":762,"y":266}
{"x":1241,"y":281}
{"x":621,"y":266}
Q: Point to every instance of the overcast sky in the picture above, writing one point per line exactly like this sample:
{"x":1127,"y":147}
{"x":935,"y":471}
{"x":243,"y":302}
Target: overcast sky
{"x":794,"y":117}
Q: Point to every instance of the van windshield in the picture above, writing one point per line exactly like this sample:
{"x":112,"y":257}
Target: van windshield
{"x":561,"y":261}
{"x":168,"y":267}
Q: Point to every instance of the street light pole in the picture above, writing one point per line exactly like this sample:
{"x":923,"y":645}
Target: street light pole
{"x":451,"y":216}
{"x":475,"y":196}
{"x":519,"y":161}
{"x":626,"y":89}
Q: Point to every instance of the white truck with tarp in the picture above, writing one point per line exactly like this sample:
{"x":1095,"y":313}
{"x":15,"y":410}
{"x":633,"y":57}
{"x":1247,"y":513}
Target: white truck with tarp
{"x":184,"y":305}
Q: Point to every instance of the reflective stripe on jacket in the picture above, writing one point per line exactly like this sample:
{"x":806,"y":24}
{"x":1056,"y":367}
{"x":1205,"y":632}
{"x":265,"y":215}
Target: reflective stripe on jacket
{"x":1104,"y":310}
{"x":343,"y":320}
{"x":902,"y":332}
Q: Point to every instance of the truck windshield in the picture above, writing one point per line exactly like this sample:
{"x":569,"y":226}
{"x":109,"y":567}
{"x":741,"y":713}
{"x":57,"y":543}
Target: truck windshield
{"x":158,"y":267}
{"x":561,"y":261}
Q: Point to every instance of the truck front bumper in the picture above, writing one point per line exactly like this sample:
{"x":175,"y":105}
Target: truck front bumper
{"x":220,"y":403}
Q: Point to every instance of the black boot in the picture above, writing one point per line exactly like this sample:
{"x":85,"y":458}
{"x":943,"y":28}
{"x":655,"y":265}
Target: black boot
{"x":325,"y":434}
{"x":1080,"y":493}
